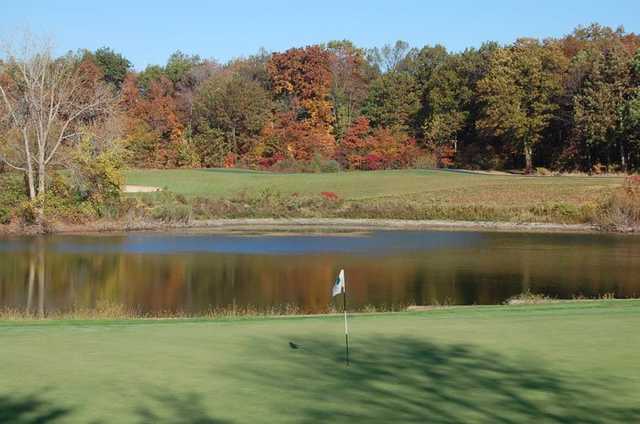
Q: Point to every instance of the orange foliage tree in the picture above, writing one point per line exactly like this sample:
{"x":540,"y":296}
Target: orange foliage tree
{"x":288,"y":138}
{"x":369,"y":149}
{"x":303,"y":77}
{"x":154,"y":133}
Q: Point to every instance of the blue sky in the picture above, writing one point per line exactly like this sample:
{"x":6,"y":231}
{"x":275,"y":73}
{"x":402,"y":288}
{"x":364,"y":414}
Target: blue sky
{"x":147,"y":32}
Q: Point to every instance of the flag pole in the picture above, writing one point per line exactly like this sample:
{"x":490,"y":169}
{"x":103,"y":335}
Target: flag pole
{"x":346,"y":327}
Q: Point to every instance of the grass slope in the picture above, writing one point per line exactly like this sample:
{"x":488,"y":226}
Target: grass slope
{"x":405,"y":194}
{"x":362,"y":185}
{"x":573,"y":362}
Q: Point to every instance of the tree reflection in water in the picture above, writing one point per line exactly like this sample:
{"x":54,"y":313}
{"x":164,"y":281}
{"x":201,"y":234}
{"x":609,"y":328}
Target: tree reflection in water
{"x":194,"y":274}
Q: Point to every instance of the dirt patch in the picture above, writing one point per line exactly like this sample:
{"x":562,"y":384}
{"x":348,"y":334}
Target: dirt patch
{"x":319,"y":224}
{"x":140,"y":189}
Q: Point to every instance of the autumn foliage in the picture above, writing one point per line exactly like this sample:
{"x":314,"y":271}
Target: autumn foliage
{"x":372,"y":149}
{"x":155,"y":134}
{"x":288,"y":138}
{"x":571,"y":103}
{"x":304,"y":76}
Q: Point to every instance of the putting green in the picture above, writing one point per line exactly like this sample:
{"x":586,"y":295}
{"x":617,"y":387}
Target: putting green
{"x":570,"y":362}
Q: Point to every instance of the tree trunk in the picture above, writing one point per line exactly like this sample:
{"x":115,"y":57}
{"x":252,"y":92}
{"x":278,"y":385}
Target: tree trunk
{"x":623,"y":158}
{"x":41,"y":177}
{"x":41,"y":278}
{"x":29,"y":184}
{"x":40,"y":193}
{"x":30,"y":180}
{"x":235,"y":143}
{"x":528,"y":158}
{"x":31,"y":280}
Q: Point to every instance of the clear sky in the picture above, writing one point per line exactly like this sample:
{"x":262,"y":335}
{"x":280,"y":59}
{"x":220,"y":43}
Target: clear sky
{"x":147,"y":32}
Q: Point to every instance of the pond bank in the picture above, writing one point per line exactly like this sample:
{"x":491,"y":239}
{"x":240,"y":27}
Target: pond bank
{"x":121,"y":315}
{"x":306,"y":224}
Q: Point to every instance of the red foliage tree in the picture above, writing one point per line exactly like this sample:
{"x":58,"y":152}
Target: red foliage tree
{"x":367,"y":149}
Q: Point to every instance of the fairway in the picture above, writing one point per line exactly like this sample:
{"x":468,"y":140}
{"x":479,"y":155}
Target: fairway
{"x":399,"y":194}
{"x":556,"y":363}
{"x":374,"y":184}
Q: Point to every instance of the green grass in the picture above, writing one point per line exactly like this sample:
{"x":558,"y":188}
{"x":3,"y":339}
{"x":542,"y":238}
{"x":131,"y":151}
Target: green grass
{"x":404,"y":194}
{"x":363,"y":185}
{"x":557,"y":363}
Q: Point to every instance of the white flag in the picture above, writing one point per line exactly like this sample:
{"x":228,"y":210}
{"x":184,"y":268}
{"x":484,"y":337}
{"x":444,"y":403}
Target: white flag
{"x":339,"y":286}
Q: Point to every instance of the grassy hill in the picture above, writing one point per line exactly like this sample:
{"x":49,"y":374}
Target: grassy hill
{"x":557,"y":363}
{"x":362,"y":185}
{"x":404,"y":194}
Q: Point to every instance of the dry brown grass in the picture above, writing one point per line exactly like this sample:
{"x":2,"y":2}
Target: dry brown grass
{"x":621,"y":209}
{"x":114,"y":311}
{"x":528,"y":298}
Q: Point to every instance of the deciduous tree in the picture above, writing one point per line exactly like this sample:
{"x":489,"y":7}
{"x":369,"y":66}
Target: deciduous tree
{"x":236,"y":106}
{"x":302,"y":77}
{"x":114,"y":66}
{"x":518,"y":94}
{"x":46,"y":102}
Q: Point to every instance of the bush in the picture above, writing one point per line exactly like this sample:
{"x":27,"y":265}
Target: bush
{"x":12,"y":195}
{"x":543,"y":171}
{"x":96,"y":177}
{"x":425,"y":161}
{"x":621,"y":210}
{"x":172,"y":213}
{"x":330,"y":166}
{"x":170,"y":208}
{"x":317,"y":164}
{"x":5,"y":215}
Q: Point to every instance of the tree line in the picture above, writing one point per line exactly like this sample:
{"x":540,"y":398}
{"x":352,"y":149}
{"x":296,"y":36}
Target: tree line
{"x":566,"y":104}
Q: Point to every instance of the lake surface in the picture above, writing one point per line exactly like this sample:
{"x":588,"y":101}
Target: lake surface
{"x":195,"y":273}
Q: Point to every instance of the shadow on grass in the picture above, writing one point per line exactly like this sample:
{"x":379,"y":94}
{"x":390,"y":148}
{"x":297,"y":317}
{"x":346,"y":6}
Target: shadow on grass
{"x":415,"y":381}
{"x":177,"y":409}
{"x":29,"y":409}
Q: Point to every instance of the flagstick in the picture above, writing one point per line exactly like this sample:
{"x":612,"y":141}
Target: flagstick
{"x":346,"y":327}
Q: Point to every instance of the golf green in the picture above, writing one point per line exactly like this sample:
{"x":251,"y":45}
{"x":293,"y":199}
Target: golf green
{"x":553,"y":363}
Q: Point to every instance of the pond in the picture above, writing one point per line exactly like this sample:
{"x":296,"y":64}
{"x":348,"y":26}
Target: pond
{"x":195,"y":273}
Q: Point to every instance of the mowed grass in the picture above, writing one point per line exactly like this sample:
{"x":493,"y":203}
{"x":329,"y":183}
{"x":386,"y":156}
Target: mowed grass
{"x":556,"y":363}
{"x":402,"y":194}
{"x":378,"y":184}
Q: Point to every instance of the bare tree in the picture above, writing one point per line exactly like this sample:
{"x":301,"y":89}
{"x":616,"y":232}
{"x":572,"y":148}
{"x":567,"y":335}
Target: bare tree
{"x":44,"y":103}
{"x":390,"y":58}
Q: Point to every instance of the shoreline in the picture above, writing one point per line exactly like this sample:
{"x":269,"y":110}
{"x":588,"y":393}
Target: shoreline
{"x":309,"y":224}
{"x":82,"y":318}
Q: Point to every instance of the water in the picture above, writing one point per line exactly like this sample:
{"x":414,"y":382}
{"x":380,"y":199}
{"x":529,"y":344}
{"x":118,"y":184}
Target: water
{"x":195,"y":273}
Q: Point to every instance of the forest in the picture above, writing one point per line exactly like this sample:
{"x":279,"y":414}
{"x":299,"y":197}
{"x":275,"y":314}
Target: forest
{"x":567,"y":104}
{"x":563,"y":104}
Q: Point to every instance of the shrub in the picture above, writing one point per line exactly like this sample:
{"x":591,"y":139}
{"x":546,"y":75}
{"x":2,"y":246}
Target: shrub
{"x":621,"y":209}
{"x":172,"y":213}
{"x":96,"y":177}
{"x":330,"y":166}
{"x":170,"y":208}
{"x":321,"y":164}
{"x":12,"y":195}
{"x":528,"y":298}
{"x":330,"y":195}
{"x":316,"y":165}
{"x":543,"y":171}
{"x":425,"y":161}
{"x":289,"y":166}
{"x":5,"y":215}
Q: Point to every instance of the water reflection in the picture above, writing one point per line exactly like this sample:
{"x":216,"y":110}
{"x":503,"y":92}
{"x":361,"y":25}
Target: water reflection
{"x":165,"y":273}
